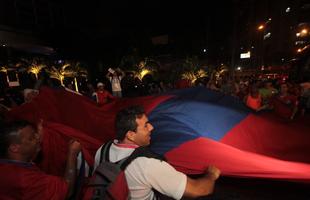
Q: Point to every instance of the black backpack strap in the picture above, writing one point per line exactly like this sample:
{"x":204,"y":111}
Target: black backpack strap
{"x":101,"y":171}
{"x":104,"y":153}
{"x":140,"y":152}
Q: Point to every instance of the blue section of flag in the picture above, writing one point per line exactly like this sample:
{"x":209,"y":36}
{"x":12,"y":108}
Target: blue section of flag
{"x":192,"y":113}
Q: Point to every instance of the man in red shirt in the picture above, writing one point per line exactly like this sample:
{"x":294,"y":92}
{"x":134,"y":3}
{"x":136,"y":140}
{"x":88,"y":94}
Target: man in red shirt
{"x":22,"y":179}
{"x":102,"y":96}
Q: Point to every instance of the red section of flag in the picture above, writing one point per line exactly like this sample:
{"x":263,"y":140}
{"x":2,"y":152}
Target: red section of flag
{"x":194,"y":156}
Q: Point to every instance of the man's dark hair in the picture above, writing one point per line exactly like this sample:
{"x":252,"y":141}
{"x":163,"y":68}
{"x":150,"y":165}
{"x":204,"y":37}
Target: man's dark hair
{"x":126,"y":120}
{"x":9,"y":134}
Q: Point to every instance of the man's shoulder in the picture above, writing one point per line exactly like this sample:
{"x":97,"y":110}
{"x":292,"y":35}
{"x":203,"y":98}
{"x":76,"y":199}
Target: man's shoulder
{"x":147,"y":164}
{"x":149,"y":160}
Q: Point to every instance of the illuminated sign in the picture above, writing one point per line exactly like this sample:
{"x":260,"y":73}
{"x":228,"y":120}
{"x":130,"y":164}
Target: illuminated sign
{"x":245,"y":55}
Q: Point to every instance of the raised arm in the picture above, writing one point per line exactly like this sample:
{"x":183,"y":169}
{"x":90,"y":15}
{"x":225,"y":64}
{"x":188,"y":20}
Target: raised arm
{"x":108,"y":75}
{"x":122,"y":73}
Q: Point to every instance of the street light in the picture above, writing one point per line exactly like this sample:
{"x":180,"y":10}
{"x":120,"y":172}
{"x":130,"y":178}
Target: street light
{"x":302,"y":49}
{"x":304,"y":31}
{"x":260,"y":27}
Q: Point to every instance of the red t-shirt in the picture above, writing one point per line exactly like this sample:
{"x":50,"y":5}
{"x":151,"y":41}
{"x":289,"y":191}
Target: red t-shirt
{"x":28,"y":182}
{"x":102,"y":97}
{"x":254,"y":103}
{"x":284,"y":105}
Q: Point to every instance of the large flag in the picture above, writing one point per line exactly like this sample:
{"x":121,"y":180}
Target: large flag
{"x":199,"y":127}
{"x":194,"y":128}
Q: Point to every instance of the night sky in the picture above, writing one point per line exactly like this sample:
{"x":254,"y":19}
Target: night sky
{"x":112,"y":29}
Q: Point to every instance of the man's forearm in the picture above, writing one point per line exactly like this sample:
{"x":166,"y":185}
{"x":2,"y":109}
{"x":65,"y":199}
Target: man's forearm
{"x":202,"y":186}
{"x":199,"y":187}
{"x":70,"y":173}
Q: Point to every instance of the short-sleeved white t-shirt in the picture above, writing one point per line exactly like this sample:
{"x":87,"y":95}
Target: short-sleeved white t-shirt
{"x":143,"y":174}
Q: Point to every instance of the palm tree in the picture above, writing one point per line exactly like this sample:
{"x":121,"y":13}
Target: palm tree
{"x":220,"y":71}
{"x":191,"y":69}
{"x":4,"y":69}
{"x":60,"y":73}
{"x":146,"y":66}
{"x":78,"y":72}
{"x":68,"y":70}
{"x":194,"y":75}
{"x":35,"y":69}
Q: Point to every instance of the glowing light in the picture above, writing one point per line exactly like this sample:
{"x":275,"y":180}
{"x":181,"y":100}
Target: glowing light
{"x":144,"y":72}
{"x":267,"y":35}
{"x":304,"y":31}
{"x":302,"y":49}
{"x":35,"y":69}
{"x":76,"y":84}
{"x":3,"y":69}
{"x":261,"y":27}
{"x":288,"y":9}
{"x":245,"y":55}
{"x":238,"y":68}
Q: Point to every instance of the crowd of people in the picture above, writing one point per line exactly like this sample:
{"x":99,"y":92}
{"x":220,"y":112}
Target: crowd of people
{"x":146,"y":176}
{"x":286,"y":98}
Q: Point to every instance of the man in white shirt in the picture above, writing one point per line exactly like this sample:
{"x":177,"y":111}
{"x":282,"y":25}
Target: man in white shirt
{"x":143,"y":174}
{"x":115,"y":78}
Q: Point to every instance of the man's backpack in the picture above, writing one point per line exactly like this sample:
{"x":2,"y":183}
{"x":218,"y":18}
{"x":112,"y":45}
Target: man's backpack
{"x":109,"y":181}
